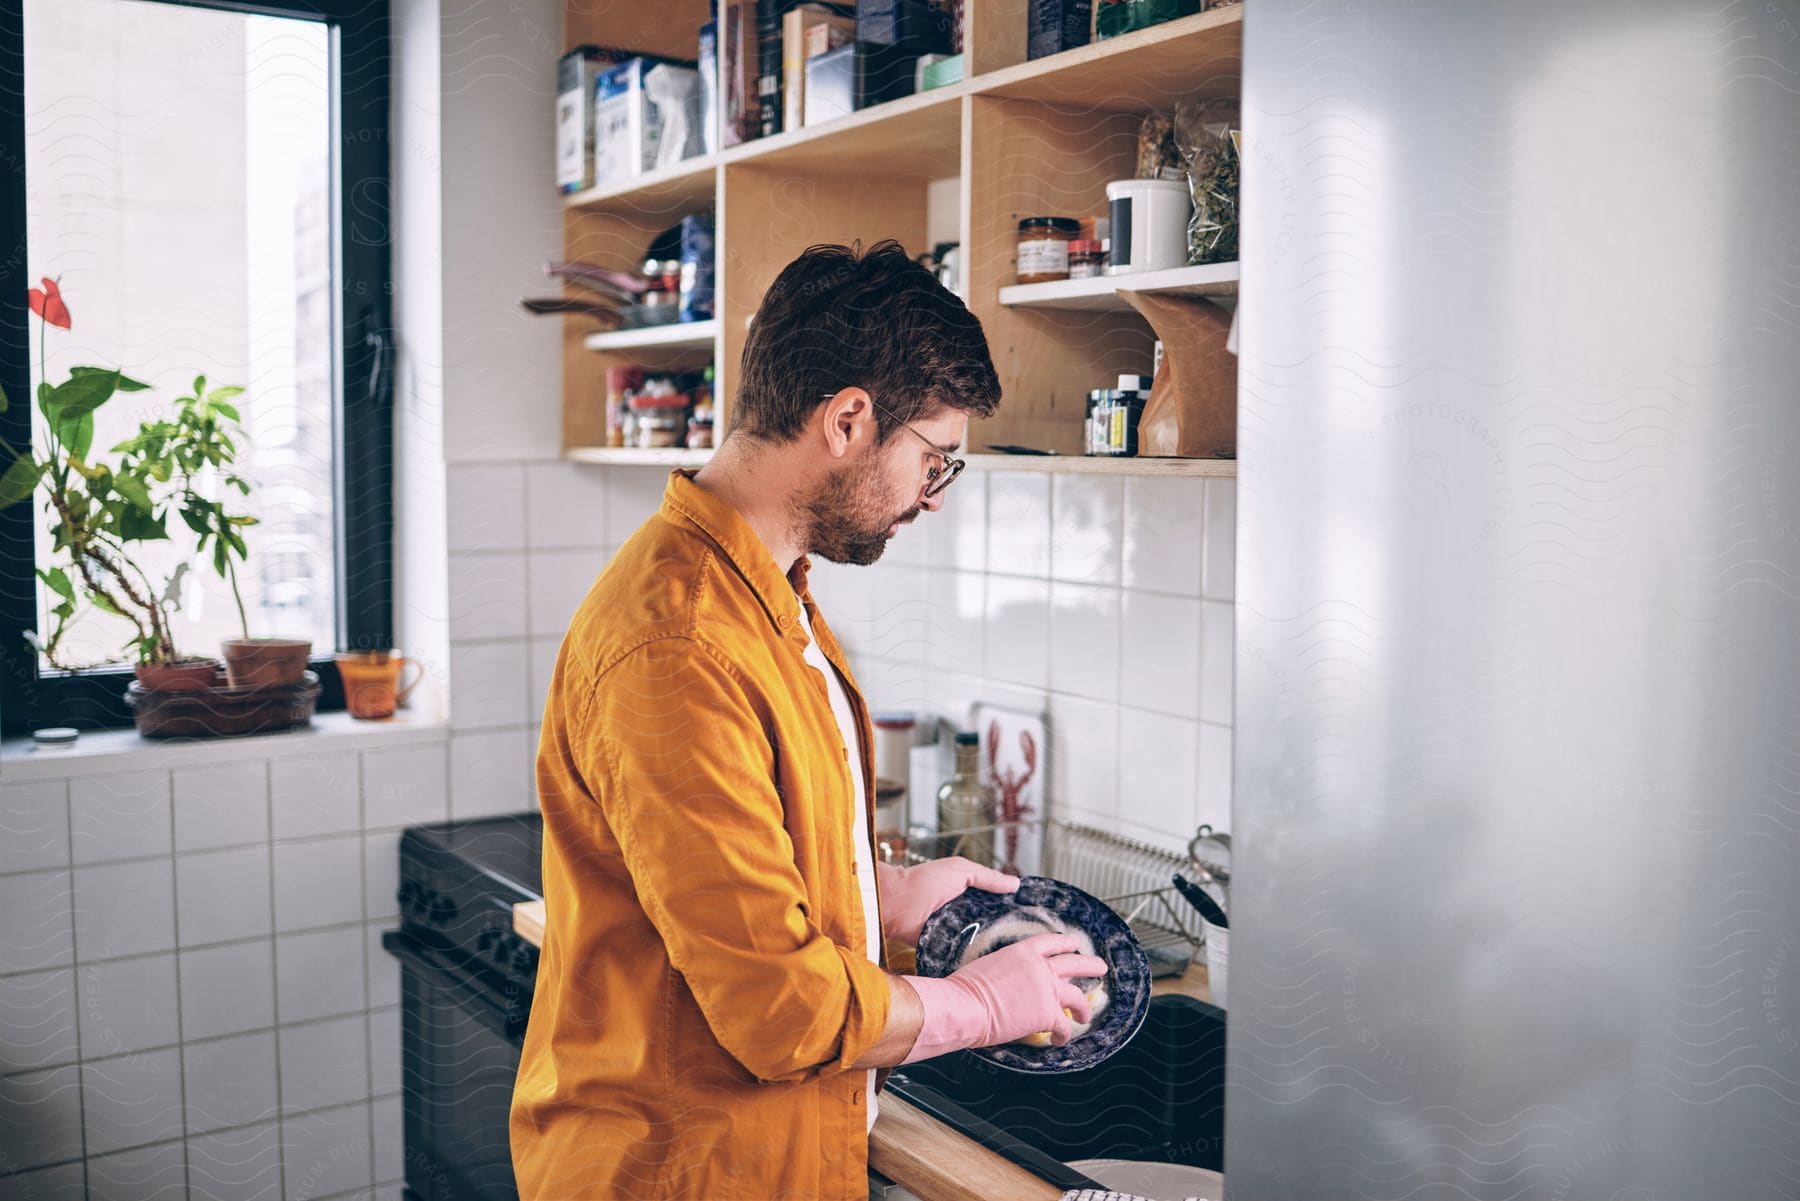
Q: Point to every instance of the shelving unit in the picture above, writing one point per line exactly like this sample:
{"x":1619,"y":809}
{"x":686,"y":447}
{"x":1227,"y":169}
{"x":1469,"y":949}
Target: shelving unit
{"x":1021,"y":138}
{"x":636,"y":456}
{"x":1100,"y":294}
{"x":680,"y":335}
{"x":1096,"y":465}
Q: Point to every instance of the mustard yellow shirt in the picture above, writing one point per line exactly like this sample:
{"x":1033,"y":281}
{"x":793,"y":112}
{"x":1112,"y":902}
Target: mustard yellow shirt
{"x":706,"y":979}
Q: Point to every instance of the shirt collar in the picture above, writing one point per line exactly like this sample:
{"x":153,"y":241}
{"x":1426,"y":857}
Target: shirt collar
{"x":684,"y":501}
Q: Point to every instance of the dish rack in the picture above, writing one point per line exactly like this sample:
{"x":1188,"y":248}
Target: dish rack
{"x":1131,"y":877}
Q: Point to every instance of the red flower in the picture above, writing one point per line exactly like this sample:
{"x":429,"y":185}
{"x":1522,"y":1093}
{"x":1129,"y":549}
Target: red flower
{"x":49,"y":305}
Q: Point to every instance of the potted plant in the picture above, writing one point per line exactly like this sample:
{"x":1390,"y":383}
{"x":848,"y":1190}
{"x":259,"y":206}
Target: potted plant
{"x":179,"y":453}
{"x":105,"y":507}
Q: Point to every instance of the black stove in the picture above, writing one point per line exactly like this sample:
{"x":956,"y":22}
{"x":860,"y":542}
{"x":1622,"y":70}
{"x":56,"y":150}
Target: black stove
{"x":466,"y":985}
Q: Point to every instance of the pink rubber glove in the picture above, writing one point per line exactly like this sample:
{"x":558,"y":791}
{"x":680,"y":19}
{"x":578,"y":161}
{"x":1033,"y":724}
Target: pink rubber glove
{"x":1020,"y":989}
{"x":909,"y":895}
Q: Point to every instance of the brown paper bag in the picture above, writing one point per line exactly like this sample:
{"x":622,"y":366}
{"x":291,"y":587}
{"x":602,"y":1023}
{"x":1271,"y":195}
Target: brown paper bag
{"x":1192,"y":411}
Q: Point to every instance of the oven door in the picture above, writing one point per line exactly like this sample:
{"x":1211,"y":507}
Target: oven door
{"x":461,"y":1030}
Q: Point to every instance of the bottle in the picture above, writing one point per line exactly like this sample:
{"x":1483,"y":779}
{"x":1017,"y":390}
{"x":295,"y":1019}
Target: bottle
{"x":965,"y":803}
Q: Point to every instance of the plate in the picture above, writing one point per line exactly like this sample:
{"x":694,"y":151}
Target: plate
{"x":947,"y":932}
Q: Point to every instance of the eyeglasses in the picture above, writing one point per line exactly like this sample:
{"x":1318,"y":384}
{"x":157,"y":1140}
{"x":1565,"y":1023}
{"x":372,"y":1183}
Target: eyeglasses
{"x":939,"y":475}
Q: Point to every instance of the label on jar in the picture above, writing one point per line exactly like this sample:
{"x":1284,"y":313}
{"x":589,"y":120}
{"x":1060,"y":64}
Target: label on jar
{"x":1044,"y":256}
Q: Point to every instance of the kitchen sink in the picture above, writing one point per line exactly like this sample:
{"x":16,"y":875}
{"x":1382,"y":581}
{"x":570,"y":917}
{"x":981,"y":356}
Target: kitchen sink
{"x":1161,"y":1098}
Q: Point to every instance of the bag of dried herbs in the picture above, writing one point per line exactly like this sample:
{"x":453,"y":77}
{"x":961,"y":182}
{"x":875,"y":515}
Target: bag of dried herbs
{"x":1206,"y":136}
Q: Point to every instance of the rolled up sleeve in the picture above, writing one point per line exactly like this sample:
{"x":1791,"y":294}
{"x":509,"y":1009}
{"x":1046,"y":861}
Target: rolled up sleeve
{"x":678,"y":756}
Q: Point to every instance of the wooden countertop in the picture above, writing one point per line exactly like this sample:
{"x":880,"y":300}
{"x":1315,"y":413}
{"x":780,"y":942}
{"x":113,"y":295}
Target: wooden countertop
{"x":913,"y":1148}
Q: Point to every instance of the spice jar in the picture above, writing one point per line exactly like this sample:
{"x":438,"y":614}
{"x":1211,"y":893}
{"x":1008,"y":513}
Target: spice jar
{"x":1085,"y":259}
{"x":661,"y":414}
{"x":620,"y":383}
{"x":1044,"y":248}
{"x":1119,"y":413}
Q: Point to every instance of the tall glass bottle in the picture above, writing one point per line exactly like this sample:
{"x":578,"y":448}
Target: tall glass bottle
{"x":965,"y":803}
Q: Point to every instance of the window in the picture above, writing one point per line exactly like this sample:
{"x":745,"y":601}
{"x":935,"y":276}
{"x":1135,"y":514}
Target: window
{"x":207,"y":183}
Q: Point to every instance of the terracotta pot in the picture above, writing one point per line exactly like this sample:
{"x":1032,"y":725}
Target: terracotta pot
{"x":186,"y":675}
{"x":265,"y":662}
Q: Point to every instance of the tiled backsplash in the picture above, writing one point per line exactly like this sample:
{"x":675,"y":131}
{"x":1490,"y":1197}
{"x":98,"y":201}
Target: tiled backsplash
{"x":1104,"y":602}
{"x":193,"y":994}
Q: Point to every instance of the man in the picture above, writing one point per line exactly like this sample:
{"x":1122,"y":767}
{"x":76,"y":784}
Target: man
{"x":712,"y":1017}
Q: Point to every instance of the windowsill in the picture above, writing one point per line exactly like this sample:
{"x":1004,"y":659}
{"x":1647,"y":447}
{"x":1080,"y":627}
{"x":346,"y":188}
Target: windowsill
{"x":102,"y":751}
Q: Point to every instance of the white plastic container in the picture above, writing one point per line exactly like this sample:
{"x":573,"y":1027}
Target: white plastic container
{"x":1217,"y":948}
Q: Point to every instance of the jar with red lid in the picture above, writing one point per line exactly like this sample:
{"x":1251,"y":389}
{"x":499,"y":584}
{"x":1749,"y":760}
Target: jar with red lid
{"x":1086,"y":259}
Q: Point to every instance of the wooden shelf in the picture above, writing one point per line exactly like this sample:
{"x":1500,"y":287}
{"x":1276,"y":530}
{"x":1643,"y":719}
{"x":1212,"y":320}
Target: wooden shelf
{"x":1101,"y":293}
{"x":1151,"y":69}
{"x":918,"y":135}
{"x":679,"y":189}
{"x":675,"y":335}
{"x":1097,"y":465}
{"x":635,"y":456}
{"x":1019,"y":138}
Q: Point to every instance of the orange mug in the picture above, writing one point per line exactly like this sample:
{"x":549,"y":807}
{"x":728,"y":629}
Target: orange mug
{"x":372,"y":682}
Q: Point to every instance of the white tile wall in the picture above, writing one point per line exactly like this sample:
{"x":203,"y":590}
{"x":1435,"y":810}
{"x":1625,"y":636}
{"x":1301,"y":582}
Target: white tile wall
{"x":35,"y":820}
{"x":1104,"y":603}
{"x":180,"y":1021}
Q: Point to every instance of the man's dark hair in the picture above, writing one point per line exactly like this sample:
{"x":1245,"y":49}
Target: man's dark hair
{"x":840,"y":317}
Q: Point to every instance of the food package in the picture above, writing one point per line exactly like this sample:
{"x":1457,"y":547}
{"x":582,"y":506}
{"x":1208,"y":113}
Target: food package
{"x":1207,"y":139}
{"x":1192,"y":412}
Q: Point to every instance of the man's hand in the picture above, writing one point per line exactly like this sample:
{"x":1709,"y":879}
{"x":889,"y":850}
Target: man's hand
{"x":910,"y":895}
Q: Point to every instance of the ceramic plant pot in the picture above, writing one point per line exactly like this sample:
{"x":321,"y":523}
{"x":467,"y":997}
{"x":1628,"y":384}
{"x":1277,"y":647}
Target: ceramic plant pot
{"x":265,"y":662}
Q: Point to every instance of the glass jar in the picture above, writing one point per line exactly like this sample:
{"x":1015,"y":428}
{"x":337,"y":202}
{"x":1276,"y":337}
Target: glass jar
{"x":1086,"y":259}
{"x":661,"y":425}
{"x":1044,"y":248}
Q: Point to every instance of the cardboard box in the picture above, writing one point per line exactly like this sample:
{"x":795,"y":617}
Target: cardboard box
{"x":709,"y":87}
{"x":576,"y":73}
{"x":831,"y":84}
{"x":740,"y":118}
{"x":1057,"y":25}
{"x":628,"y":126}
{"x":794,"y":25}
{"x":922,"y":26}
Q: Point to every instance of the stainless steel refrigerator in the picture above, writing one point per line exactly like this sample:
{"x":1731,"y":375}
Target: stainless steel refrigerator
{"x":1516,"y":897}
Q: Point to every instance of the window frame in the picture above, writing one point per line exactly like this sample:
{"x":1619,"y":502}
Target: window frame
{"x":362,"y":419}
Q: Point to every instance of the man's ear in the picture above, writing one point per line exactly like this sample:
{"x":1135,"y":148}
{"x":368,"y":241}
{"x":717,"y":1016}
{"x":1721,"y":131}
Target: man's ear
{"x":849,"y":416}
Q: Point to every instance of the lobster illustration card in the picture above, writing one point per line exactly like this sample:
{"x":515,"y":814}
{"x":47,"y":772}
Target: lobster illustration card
{"x":1015,"y":762}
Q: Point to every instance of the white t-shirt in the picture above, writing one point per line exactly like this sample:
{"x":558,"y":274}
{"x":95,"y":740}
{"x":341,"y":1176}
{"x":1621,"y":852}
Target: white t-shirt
{"x":865,"y":869}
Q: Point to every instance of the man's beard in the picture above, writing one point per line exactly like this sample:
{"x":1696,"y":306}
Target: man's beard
{"x":842,"y":522}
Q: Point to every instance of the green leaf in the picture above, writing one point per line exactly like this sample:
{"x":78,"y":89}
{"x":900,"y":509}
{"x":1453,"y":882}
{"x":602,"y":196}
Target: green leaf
{"x":219,"y":557}
{"x":20,"y":480}
{"x":196,"y":521}
{"x":199,"y":386}
{"x":3,"y":401}
{"x":228,"y":392}
{"x":223,"y":408}
{"x":80,"y":393}
{"x":126,"y":383}
{"x":134,"y":490}
{"x":99,"y":601}
{"x":57,"y":581}
{"x":138,"y":525}
{"x":237,"y":542}
{"x":76,"y":431}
